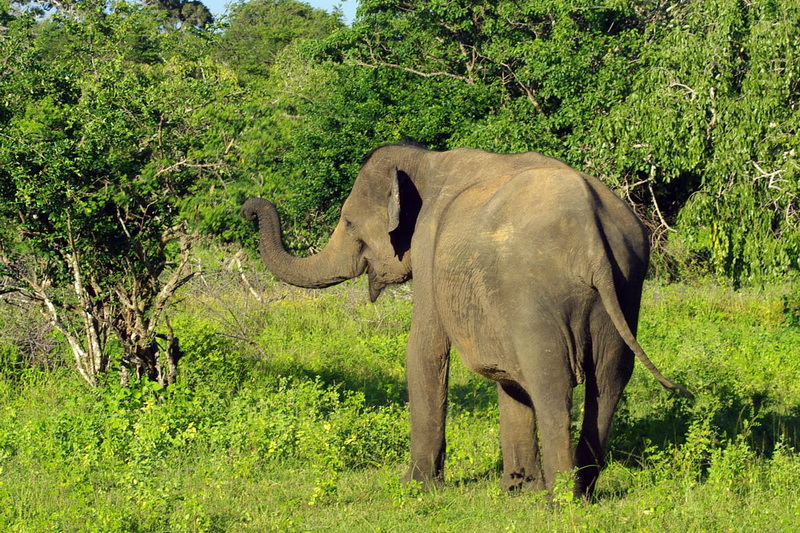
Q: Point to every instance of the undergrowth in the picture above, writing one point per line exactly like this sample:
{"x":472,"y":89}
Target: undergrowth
{"x":291,"y":416}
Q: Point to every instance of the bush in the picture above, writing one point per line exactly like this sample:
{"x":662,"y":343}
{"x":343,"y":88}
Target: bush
{"x":27,"y":340}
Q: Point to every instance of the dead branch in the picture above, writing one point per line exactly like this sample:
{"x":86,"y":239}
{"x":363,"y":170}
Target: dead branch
{"x":237,"y":260}
{"x":383,"y":64}
{"x":655,"y":203}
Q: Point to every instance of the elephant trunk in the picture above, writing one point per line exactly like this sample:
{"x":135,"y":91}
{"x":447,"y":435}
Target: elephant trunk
{"x":340,"y":260}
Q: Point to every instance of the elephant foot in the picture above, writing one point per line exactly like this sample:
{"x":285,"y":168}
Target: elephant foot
{"x":584,"y":492}
{"x":426,"y":480}
{"x":513,"y":481}
{"x":585,"y":481}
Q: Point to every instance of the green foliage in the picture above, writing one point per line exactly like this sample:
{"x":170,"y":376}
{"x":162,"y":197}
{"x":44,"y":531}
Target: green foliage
{"x":257,"y":31}
{"x":345,"y":124}
{"x":711,"y":123}
{"x":211,"y":359}
{"x":27,"y":341}
{"x":505,"y":77}
{"x":185,"y":14}
{"x":688,"y":111}
{"x":249,"y":129}
{"x":308,"y":336}
{"x":733,"y":351}
{"x":98,"y":150}
{"x":124,"y":449}
{"x":791,"y":307}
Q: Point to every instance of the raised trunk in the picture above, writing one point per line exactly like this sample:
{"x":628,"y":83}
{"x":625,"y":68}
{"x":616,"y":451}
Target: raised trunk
{"x":340,"y":260}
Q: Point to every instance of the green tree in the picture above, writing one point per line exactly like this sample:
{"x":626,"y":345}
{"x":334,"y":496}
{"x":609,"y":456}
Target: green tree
{"x":254,"y":126}
{"x":688,"y":110}
{"x":504,"y":76}
{"x":551,"y":67}
{"x":99,"y":145}
{"x":181,"y":14}
{"x":40,"y":8}
{"x":258,"y":30}
{"x":184,"y":14}
{"x":710,"y":128}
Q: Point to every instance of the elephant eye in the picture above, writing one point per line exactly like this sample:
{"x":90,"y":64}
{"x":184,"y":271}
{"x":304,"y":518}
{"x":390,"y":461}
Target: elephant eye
{"x":348,"y":224}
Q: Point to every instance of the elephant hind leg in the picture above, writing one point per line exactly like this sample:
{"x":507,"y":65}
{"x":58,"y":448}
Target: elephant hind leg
{"x":592,"y":444}
{"x":550,"y":389}
{"x":522,"y":466}
{"x":612,"y":366}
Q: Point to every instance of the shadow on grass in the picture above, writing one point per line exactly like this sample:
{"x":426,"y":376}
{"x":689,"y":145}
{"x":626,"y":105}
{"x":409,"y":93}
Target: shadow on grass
{"x":637,"y":427}
{"x":380,"y":388}
{"x":734,"y":417}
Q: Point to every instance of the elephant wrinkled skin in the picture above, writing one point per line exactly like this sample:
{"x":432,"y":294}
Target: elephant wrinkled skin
{"x":532,"y":270}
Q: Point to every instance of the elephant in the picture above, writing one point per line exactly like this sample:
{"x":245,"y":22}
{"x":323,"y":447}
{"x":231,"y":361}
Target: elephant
{"x":531,"y":270}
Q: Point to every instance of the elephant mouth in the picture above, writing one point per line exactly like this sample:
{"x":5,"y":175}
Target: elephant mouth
{"x":376,"y":285}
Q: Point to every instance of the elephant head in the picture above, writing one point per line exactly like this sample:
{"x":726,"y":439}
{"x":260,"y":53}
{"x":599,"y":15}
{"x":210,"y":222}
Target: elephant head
{"x":373,"y":234}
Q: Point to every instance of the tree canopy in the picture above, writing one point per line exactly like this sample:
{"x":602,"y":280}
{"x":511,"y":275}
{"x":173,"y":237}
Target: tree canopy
{"x":687,"y":109}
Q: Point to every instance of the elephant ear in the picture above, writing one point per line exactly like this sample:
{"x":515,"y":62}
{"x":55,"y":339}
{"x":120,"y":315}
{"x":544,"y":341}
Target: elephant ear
{"x":403,"y":210}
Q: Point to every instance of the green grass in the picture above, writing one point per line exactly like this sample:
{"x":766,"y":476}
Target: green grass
{"x":291,"y":416}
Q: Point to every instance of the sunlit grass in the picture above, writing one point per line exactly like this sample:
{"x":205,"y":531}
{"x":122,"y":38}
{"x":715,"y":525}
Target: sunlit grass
{"x":295,"y":420}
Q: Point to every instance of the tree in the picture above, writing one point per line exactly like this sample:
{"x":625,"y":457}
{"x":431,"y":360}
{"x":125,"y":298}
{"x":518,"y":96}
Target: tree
{"x":258,"y":30}
{"x":711,"y":130}
{"x":255,"y":125}
{"x":182,"y":14}
{"x":99,"y":145}
{"x":41,"y":8}
{"x":504,"y":76}
{"x":554,"y":64}
{"x":688,"y":109}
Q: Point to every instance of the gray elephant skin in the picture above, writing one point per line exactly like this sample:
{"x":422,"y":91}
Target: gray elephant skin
{"x":532,"y":270}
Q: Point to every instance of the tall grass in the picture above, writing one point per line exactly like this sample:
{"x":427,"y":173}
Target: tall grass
{"x":290,"y":415}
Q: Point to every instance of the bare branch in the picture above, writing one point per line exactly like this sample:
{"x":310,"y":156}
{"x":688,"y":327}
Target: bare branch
{"x":237,"y":260}
{"x":772,"y":176}
{"x":185,"y":163}
{"x":655,"y":203}
{"x":381,"y":64}
{"x":530,"y":93}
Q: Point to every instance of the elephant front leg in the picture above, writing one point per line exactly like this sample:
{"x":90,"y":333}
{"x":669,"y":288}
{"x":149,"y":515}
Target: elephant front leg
{"x":522,"y":465}
{"x":428,"y":361}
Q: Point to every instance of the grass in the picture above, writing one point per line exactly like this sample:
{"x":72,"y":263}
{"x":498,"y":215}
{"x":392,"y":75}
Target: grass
{"x":290,"y":415}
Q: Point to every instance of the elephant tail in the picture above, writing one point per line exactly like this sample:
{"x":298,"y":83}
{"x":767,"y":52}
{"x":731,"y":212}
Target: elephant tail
{"x":608,"y":295}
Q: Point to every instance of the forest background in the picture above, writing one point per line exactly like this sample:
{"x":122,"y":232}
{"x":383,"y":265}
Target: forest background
{"x":131,"y":133}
